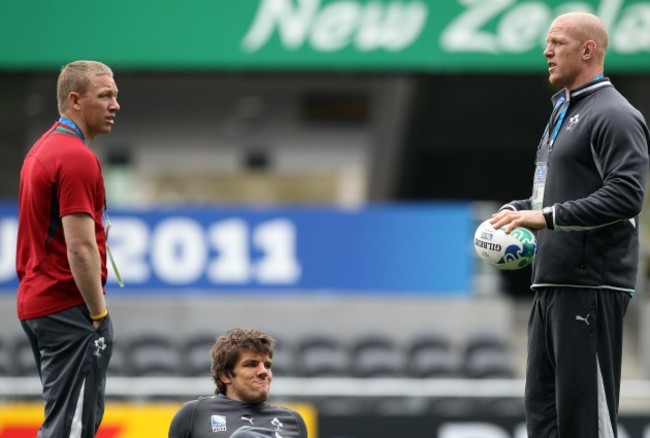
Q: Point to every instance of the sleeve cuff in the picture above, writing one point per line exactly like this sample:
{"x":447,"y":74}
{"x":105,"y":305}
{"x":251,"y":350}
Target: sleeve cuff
{"x":549,"y":217}
{"x":508,"y":207}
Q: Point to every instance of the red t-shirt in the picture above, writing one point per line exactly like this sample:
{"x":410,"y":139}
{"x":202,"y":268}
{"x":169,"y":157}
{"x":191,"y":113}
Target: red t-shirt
{"x":60,"y":176}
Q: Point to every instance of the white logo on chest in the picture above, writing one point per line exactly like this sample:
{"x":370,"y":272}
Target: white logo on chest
{"x":573,"y":121}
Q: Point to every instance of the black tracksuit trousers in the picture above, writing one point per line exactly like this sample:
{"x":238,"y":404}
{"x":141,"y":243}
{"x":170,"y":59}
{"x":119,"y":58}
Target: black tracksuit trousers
{"x":573,"y":373}
{"x":72,"y":358}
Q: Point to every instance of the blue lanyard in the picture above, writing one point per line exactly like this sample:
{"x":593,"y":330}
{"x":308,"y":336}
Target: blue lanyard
{"x":558,"y":124}
{"x":562,"y":105}
{"x":560,"y":119}
{"x":66,"y":121}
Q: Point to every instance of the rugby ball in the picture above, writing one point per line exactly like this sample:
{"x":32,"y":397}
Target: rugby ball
{"x":505,"y":251}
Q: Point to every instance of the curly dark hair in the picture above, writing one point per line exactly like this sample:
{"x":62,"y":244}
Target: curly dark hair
{"x":226,"y":350}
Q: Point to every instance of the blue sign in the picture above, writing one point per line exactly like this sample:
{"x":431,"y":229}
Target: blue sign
{"x":393,"y":248}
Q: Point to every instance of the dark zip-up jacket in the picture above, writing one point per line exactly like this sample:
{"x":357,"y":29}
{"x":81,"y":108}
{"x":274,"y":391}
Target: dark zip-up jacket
{"x":595,"y":185}
{"x":220,"y":417}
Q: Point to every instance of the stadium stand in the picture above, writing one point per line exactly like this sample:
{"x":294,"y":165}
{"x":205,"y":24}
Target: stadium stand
{"x":485,"y":340}
{"x":483,"y":364}
{"x":23,"y":357}
{"x":153,"y":354}
{"x":196,"y":354}
{"x":377,"y":356}
{"x":5,"y":359}
{"x":321,"y":355}
{"x":488,"y":355}
{"x":432,"y":354}
{"x":430,"y":362}
{"x":284,"y":359}
{"x":117,"y":365}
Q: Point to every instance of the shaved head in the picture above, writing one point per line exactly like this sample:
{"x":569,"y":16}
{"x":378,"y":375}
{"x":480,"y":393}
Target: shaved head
{"x":576,"y":44}
{"x":584,"y":27}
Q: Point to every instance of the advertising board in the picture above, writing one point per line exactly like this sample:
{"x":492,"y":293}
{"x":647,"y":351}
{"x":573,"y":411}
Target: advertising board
{"x":389,"y":35}
{"x":387,"y":248}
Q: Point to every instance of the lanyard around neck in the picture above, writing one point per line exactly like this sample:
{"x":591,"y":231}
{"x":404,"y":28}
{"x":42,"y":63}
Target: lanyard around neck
{"x":563,"y":106}
{"x":69,"y":123}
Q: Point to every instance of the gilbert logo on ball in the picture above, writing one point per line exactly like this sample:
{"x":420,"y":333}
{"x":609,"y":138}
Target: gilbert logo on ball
{"x":505,"y":251}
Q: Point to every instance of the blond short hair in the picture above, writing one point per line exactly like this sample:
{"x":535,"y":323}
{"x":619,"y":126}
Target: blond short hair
{"x":76,"y":77}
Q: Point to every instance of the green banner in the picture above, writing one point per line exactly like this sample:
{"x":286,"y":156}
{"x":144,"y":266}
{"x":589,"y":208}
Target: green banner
{"x":349,"y":35}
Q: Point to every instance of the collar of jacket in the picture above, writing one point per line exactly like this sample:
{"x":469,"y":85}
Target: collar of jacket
{"x":584,"y":90}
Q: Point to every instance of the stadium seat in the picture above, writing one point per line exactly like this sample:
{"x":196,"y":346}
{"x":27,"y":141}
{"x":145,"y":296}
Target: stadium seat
{"x":5,"y":359}
{"x":284,"y":359}
{"x":485,"y":340}
{"x":24,"y":363}
{"x":196,"y":356}
{"x":378,"y":363}
{"x":487,"y":355}
{"x":429,"y":340}
{"x":320,"y":355}
{"x":151,"y":354}
{"x":317,"y":340}
{"x":432,"y":355}
{"x":377,"y":356}
{"x":117,"y":365}
{"x":434,"y":362}
{"x":489,"y":364}
{"x":323,"y":362}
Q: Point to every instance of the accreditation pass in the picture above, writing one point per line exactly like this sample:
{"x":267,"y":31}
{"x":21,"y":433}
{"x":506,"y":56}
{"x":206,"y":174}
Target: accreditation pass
{"x":539,"y":182}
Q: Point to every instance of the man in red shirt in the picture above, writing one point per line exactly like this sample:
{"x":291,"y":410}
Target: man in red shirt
{"x":61,"y":253}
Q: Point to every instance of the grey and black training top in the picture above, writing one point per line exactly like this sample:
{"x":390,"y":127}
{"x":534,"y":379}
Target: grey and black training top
{"x":595,"y":185}
{"x":219,"y":417}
